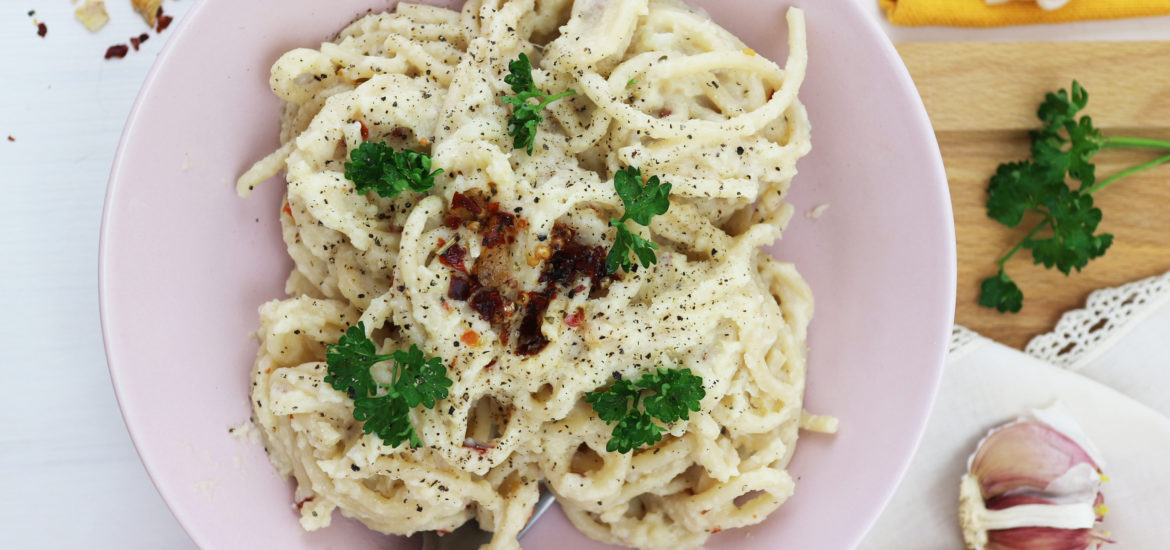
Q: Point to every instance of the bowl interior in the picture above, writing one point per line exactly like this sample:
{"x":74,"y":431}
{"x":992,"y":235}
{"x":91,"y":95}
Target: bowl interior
{"x":185,"y":263}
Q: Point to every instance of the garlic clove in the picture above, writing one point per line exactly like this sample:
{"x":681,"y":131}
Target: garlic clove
{"x":1033,"y":484}
{"x":1031,"y":455}
{"x":1041,"y":538}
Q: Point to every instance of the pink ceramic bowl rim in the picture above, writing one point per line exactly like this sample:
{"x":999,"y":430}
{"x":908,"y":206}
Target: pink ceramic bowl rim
{"x":124,"y":298}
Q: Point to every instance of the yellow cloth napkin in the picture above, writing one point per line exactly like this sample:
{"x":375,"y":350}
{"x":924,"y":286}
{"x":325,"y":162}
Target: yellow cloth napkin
{"x":977,"y":13}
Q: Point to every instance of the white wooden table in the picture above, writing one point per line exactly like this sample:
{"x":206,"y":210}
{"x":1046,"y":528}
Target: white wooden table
{"x":69,"y":476}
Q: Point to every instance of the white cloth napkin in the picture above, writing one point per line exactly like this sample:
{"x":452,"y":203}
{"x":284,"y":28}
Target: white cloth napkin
{"x":1117,"y":387}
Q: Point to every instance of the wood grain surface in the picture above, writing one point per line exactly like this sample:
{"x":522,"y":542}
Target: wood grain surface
{"x":982,"y":100}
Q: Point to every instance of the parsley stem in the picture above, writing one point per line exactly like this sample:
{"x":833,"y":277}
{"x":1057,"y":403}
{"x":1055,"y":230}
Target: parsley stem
{"x":550,"y":99}
{"x":1115,"y":142}
{"x":1130,"y":171}
{"x":1020,"y":244}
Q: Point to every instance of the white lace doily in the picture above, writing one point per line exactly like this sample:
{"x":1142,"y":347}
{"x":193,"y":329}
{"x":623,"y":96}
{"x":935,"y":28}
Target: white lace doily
{"x":1083,"y":334}
{"x":963,"y":340}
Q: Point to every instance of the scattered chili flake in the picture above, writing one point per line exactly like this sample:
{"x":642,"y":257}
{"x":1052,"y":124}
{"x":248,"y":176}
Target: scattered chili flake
{"x":134,"y":42}
{"x":574,"y":319}
{"x":715,"y":530}
{"x":42,"y":30}
{"x":399,"y":132}
{"x":301,"y":503}
{"x":365,"y":130}
{"x":117,"y":50}
{"x":452,"y":221}
{"x":10,"y":138}
{"x":453,"y":258}
{"x":477,"y":446}
{"x":665,"y":113}
{"x":423,"y":141}
{"x":470,"y":338}
{"x":163,"y":21}
{"x":143,"y":38}
{"x":287,"y":209}
{"x":442,"y":532}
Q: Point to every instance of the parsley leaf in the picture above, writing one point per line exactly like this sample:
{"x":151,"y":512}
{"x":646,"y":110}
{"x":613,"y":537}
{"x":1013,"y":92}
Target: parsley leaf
{"x":350,"y":361}
{"x":1062,"y":151}
{"x":417,"y":380}
{"x":377,"y":167}
{"x":526,"y":115}
{"x":642,"y":201}
{"x":420,"y":381}
{"x":625,"y":242}
{"x":676,"y":393}
{"x":673,"y":393}
{"x":1001,"y":293}
{"x":388,"y":417}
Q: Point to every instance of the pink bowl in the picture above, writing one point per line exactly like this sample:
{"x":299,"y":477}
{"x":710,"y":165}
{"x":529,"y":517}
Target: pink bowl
{"x":184,"y":264}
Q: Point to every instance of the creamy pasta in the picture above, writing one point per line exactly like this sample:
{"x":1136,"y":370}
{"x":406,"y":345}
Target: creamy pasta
{"x":658,"y":86}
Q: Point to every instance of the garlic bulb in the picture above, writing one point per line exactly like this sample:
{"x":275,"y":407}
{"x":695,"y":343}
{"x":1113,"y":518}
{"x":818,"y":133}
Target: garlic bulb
{"x":1033,"y":484}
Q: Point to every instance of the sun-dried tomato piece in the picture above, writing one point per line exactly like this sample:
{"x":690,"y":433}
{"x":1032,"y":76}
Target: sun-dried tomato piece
{"x":529,"y":338}
{"x":461,"y":288}
{"x":492,"y":306}
{"x":453,"y":258}
{"x":464,"y":202}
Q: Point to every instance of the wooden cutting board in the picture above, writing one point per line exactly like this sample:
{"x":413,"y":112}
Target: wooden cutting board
{"x":982,"y":100}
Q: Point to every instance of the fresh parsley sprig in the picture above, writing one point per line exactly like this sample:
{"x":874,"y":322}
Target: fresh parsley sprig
{"x":667,"y":395}
{"x":1062,"y":150}
{"x":375,"y":166}
{"x":643,"y":201}
{"x":416,"y":380}
{"x":526,"y":115}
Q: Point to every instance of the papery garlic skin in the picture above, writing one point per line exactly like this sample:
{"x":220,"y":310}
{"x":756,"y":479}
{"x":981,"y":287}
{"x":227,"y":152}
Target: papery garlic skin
{"x":1033,"y":483}
{"x":1045,"y":4}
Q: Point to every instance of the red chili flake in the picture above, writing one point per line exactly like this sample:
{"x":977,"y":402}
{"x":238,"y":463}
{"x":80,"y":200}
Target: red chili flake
{"x":477,"y":446}
{"x":704,"y":512}
{"x":529,"y":339}
{"x":490,"y":364}
{"x":287,"y":209}
{"x":301,"y":503}
{"x":442,"y":241}
{"x":665,"y":113}
{"x":163,"y":22}
{"x":578,"y":288}
{"x":470,"y":337}
{"x":452,"y":221}
{"x":715,"y":530}
{"x":117,"y":50}
{"x":365,"y":130}
{"x":492,"y":306}
{"x":461,"y":288}
{"x":574,"y":319}
{"x":143,"y":38}
{"x":461,"y":201}
{"x":10,"y":138}
{"x":442,"y":532}
{"x":42,"y":30}
{"x":134,"y":42}
{"x":399,"y":133}
{"x":453,"y":258}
